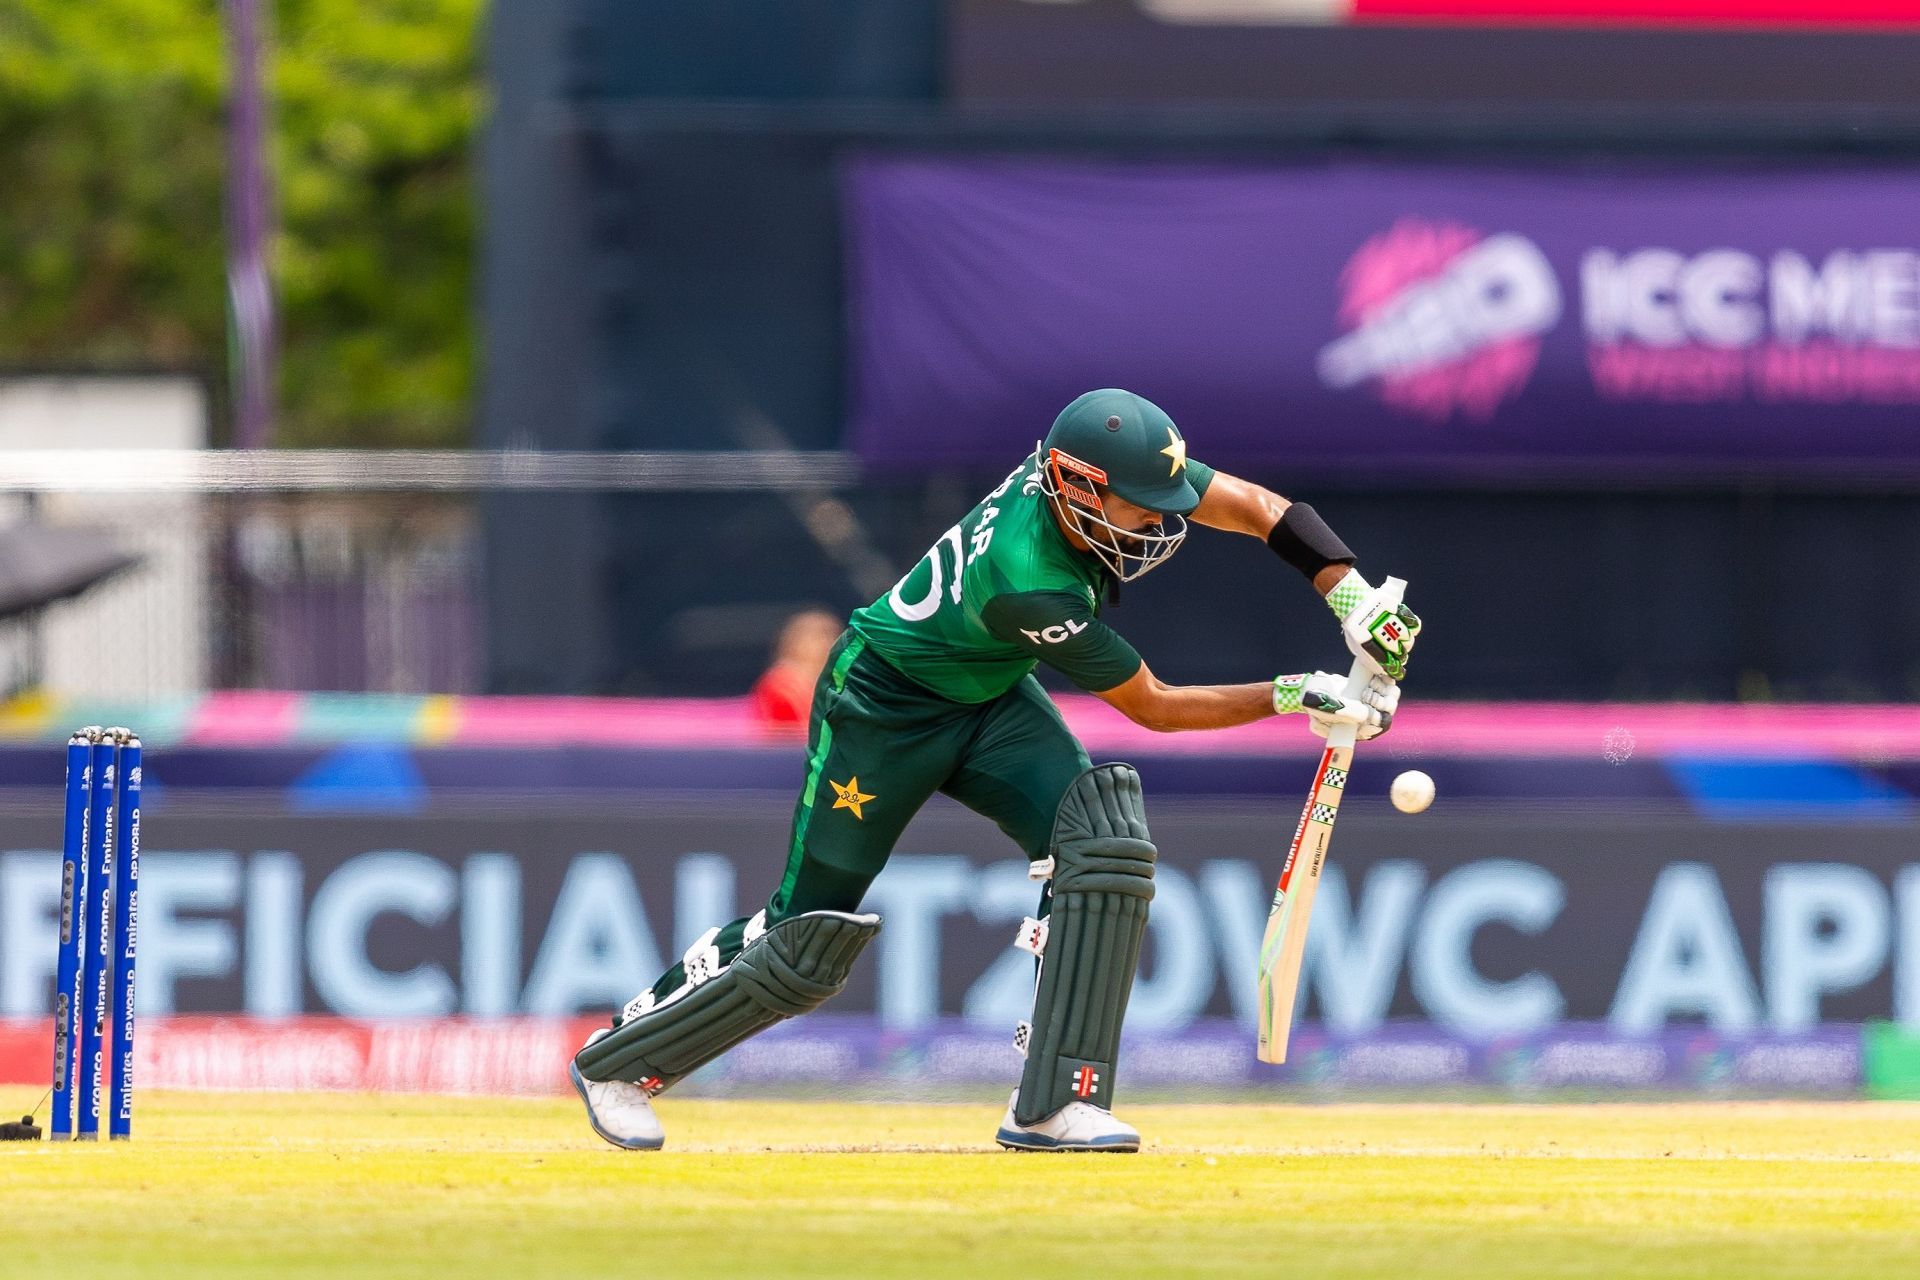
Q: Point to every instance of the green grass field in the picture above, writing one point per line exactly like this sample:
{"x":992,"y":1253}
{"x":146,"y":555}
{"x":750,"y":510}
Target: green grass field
{"x":265,"y":1184}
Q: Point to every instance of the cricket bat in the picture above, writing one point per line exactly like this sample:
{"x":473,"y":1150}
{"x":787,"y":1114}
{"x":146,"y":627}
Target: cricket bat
{"x":1284,"y":945}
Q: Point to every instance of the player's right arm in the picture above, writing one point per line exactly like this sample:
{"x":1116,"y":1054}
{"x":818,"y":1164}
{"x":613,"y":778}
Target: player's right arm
{"x":1059,"y":628}
{"x":1167,"y":708}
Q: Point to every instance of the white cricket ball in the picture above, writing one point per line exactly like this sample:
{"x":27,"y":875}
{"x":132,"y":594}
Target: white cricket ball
{"x":1412,"y":791}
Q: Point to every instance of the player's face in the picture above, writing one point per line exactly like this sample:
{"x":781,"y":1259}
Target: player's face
{"x":1128,"y":538}
{"x":1126,"y":515}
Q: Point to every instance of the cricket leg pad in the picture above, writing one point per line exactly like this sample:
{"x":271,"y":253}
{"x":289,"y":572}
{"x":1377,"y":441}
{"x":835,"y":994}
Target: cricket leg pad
{"x":789,"y":969}
{"x":1102,"y":870}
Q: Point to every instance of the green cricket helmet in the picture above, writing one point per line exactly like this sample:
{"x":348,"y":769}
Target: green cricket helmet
{"x":1115,"y":442}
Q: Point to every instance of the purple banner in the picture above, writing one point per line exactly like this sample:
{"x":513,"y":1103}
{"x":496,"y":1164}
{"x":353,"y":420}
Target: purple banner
{"x":1397,"y":317}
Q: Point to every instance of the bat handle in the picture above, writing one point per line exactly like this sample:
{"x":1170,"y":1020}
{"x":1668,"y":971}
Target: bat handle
{"x":1344,"y":735}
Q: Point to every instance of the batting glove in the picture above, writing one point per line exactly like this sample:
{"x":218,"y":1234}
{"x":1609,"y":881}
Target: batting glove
{"x":1323,"y":698}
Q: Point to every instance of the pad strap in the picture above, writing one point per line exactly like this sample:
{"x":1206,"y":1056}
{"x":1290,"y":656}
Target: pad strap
{"x":1102,"y":883}
{"x":792,"y":968}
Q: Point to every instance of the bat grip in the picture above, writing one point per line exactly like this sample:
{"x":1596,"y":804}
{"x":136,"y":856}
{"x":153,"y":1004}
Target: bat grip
{"x":1394,"y":590}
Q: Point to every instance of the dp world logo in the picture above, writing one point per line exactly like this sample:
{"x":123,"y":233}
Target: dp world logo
{"x":1442,"y":319}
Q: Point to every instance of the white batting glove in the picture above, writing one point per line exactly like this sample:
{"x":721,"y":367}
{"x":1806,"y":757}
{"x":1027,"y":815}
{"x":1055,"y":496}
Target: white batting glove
{"x":1378,"y":631}
{"x":1323,"y":698}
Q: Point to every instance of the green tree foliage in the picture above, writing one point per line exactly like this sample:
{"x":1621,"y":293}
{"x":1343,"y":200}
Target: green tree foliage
{"x":377,"y":104}
{"x":112,"y":148}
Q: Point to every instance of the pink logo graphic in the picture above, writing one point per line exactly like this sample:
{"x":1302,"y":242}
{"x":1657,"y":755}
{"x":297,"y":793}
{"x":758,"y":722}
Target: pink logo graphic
{"x":1442,"y":319}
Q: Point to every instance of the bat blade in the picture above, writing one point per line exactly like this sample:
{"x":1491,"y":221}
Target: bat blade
{"x":1283,"y":948}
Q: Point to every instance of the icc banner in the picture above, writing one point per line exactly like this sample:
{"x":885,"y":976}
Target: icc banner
{"x":1472,"y":320}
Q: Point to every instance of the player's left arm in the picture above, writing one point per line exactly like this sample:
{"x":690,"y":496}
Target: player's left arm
{"x":1382,"y":636}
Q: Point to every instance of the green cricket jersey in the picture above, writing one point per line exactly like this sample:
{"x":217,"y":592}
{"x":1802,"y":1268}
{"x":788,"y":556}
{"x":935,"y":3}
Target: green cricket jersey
{"x":999,"y":592}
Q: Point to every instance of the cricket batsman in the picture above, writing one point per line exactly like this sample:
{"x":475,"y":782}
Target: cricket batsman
{"x":931,"y":688}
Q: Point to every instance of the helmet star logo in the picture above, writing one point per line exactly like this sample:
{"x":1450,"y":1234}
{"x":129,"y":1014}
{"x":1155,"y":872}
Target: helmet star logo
{"x":849,"y":796}
{"x":1177,"y":450}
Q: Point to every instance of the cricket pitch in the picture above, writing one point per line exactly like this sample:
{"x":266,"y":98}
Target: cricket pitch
{"x":346,"y":1185}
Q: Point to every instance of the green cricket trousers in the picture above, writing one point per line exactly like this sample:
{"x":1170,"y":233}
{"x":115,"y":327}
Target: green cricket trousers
{"x":878,"y":746}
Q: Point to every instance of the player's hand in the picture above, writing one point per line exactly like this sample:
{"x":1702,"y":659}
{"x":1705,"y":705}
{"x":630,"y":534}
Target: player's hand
{"x":1378,"y":630}
{"x":1323,"y":698}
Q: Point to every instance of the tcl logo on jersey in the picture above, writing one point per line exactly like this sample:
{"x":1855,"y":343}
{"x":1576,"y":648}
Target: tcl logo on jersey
{"x":1055,"y":634}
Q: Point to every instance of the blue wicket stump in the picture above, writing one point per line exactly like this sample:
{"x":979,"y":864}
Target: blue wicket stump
{"x":100,"y":876}
{"x":126,"y":933}
{"x":73,"y":924}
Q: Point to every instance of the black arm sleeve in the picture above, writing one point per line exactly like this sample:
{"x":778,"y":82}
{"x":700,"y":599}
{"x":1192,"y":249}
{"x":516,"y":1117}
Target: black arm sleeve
{"x":1303,"y":540}
{"x":1058,"y":628}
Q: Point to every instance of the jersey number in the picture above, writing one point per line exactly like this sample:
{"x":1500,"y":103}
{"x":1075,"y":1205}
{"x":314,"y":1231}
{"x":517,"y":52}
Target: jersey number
{"x":925,"y":607}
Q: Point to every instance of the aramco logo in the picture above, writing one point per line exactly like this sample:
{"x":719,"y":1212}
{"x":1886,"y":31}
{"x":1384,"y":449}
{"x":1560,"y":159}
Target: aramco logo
{"x":1442,"y":319}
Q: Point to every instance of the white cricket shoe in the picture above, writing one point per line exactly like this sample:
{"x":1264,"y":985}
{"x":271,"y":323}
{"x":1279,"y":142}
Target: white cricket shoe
{"x":619,"y":1111}
{"x":1078,"y":1126}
